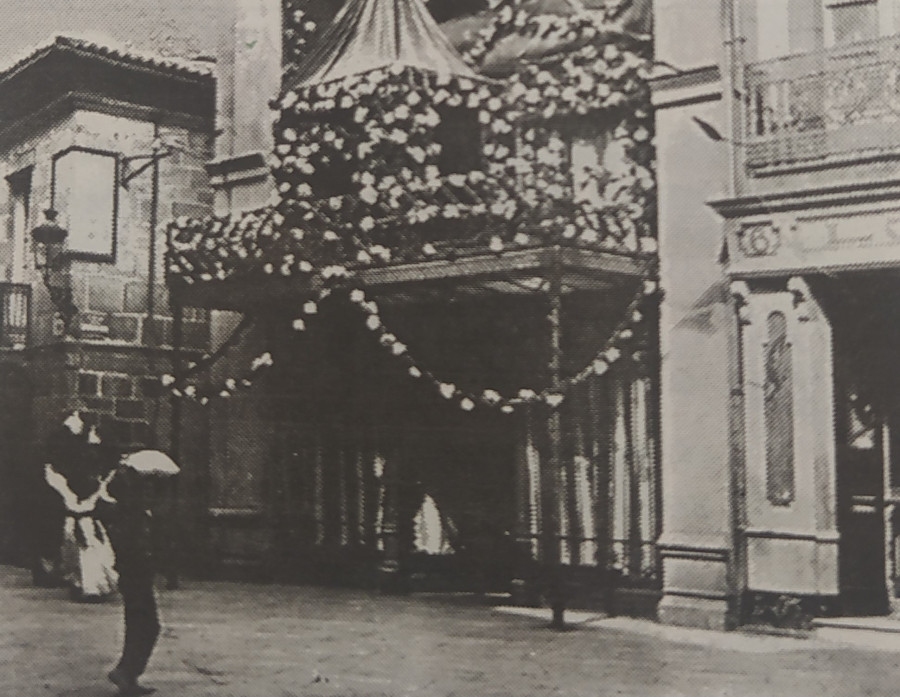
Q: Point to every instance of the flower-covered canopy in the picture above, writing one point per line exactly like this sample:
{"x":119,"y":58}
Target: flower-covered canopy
{"x":389,"y":147}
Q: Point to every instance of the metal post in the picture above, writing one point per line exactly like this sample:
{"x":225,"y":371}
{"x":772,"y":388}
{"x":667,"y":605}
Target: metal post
{"x":154,"y":213}
{"x":550,"y":474}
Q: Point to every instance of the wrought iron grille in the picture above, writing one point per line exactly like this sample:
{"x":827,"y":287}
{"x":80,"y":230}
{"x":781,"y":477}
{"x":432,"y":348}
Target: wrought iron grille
{"x":15,"y":309}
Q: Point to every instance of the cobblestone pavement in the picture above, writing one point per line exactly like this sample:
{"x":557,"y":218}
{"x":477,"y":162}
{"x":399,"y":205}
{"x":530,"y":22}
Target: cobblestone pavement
{"x":245,"y":640}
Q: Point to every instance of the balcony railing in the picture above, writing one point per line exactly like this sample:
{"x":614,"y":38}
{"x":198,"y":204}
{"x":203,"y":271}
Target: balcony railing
{"x":15,"y":310}
{"x":835,"y":103}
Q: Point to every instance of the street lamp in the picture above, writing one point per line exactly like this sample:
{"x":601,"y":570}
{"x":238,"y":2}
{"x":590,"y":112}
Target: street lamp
{"x":52,"y":260}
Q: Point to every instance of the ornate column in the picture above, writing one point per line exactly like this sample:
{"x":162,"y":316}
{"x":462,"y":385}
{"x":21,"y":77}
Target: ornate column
{"x":790,"y":536}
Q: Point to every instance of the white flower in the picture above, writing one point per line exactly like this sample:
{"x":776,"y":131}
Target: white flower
{"x":521,"y":238}
{"x":305,"y":266}
{"x":330,"y":236}
{"x":507,"y":409}
{"x":167,"y":380}
{"x":447,"y":389}
{"x":491,"y":396}
{"x":373,"y":322}
{"x":357,"y":295}
{"x":381,"y":251}
{"x":554,"y":399}
{"x":415,"y":372}
{"x":363,"y":257}
{"x":298,"y":325}
{"x":599,"y":366}
{"x":527,"y":394}
{"x":467,"y":404}
{"x":310,"y":308}
{"x":612,"y":354}
{"x":289,"y":134}
{"x":428,"y":249}
{"x":367,"y":223}
{"x":398,"y":348}
{"x":417,"y":153}
{"x":496,"y":244}
{"x":649,"y":287}
{"x":369,"y":195}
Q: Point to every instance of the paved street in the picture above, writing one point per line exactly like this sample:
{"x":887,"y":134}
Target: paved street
{"x":244,"y":640}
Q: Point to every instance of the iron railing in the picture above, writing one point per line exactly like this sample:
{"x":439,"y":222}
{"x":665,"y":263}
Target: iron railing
{"x":15,"y":312}
{"x":837,"y":102}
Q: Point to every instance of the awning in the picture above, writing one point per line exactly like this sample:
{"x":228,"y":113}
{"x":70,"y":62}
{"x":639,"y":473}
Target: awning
{"x":371,"y":34}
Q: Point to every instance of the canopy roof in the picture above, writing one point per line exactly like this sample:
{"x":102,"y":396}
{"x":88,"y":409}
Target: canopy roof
{"x":370,"y":34}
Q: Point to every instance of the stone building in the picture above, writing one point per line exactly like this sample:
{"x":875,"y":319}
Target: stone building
{"x":778,"y":256}
{"x":114,"y":141}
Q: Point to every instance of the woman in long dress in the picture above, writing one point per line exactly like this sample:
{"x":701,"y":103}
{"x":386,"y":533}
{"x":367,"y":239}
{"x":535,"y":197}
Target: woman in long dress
{"x":87,"y":554}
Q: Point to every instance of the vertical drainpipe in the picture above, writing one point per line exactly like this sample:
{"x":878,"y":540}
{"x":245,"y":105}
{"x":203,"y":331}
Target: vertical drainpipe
{"x":733,"y":94}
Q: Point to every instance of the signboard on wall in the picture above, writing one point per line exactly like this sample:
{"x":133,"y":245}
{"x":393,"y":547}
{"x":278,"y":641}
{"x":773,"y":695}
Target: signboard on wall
{"x":85,"y":195}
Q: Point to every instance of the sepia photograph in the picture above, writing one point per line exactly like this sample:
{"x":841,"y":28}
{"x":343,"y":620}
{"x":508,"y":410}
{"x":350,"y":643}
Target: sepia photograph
{"x":449,"y":348}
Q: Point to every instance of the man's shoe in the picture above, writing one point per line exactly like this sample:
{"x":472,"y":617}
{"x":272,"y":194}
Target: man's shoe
{"x":128,"y":686}
{"x":119,"y":679}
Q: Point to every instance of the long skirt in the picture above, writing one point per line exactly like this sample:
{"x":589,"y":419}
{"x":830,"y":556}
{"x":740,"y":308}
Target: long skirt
{"x":88,"y":559}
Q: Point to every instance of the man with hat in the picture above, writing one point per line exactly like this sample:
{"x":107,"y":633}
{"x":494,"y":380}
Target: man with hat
{"x":128,"y":515}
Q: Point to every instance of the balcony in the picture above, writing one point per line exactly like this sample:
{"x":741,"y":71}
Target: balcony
{"x":15,"y":310}
{"x":827,"y":107}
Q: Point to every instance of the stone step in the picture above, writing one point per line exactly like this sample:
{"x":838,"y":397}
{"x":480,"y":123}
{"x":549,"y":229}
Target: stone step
{"x":878,"y":633}
{"x":879,"y":623}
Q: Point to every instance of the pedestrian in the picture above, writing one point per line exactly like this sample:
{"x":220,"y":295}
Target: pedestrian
{"x":128,"y":511}
{"x":73,"y":468}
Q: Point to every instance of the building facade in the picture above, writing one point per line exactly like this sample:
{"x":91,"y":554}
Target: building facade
{"x":777,"y":255}
{"x":113,"y":141}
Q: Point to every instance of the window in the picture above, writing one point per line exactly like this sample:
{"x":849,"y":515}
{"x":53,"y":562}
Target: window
{"x":85,"y":193}
{"x":779,"y":412}
{"x":854,"y":21}
{"x":17,"y":234}
{"x":459,"y":134}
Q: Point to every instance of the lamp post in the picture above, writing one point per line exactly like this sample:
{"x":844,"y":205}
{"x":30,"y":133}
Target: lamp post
{"x":52,"y":260}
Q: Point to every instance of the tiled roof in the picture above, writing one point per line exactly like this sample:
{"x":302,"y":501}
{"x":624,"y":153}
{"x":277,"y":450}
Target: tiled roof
{"x":109,"y":51}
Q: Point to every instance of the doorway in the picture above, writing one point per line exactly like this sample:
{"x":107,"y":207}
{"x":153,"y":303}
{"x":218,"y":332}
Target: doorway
{"x":865,"y":313}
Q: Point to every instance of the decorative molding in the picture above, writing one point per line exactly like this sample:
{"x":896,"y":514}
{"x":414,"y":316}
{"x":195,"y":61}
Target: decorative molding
{"x":806,"y":199}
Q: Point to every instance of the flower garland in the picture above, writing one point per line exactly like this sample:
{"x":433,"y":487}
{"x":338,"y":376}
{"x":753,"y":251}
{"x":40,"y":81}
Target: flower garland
{"x":600,"y":364}
{"x":180,"y":387}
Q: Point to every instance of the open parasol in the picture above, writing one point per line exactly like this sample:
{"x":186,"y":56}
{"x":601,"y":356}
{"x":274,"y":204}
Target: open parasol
{"x":151,"y":462}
